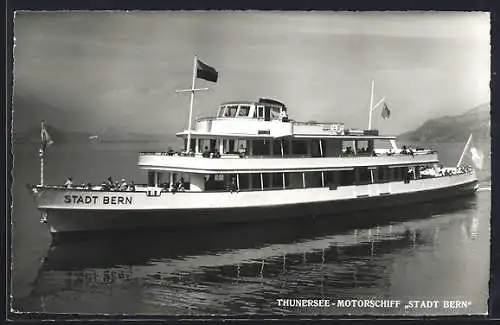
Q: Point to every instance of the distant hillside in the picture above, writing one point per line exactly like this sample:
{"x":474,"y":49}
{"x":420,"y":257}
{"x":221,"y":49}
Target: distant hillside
{"x":28,"y":111}
{"x":453,"y":128}
{"x":58,"y":136}
{"x":112,"y":134}
{"x":66,"y":126}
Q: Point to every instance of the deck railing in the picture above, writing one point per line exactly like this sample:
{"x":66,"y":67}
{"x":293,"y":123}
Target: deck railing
{"x":237,"y":155}
{"x":143,"y":188}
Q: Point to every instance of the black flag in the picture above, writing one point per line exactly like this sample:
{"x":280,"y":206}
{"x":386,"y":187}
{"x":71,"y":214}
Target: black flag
{"x":206,"y":72}
{"x":386,"y":113}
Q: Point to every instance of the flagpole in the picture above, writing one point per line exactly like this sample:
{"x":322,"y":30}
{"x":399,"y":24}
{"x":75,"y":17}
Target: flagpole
{"x":42,"y":152}
{"x":188,"y":145}
{"x":371,"y":106}
{"x":465,"y":149}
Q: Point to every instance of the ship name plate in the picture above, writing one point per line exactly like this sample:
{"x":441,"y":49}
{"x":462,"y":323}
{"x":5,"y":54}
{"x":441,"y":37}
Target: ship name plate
{"x":94,"y":199}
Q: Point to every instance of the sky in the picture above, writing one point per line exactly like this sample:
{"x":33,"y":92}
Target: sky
{"x":121,"y":69}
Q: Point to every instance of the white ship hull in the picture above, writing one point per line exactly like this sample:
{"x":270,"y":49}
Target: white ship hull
{"x":74,"y":210}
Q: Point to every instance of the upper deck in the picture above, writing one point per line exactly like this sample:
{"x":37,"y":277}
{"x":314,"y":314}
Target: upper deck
{"x":269,"y":164}
{"x":267,"y":119}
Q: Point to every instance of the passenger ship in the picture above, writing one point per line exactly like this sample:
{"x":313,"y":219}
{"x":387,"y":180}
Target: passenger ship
{"x":251,"y":161}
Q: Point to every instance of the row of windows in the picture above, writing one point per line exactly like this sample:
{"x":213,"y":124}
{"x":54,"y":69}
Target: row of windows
{"x":358,"y":176}
{"x":312,"y":148}
{"x":262,"y":112}
{"x":291,"y":180}
{"x":234,"y":110}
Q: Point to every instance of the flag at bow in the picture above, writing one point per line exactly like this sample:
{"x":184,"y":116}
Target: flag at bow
{"x":46,"y":138}
{"x":206,"y":72}
{"x":386,"y":113}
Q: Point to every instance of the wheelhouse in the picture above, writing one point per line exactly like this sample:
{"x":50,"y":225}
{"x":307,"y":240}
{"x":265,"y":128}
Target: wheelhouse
{"x":264,"y":109}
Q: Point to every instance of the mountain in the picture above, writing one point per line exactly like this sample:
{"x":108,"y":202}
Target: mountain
{"x":28,"y":111}
{"x":109,"y":135}
{"x":453,"y":128}
{"x":58,"y":136}
{"x":71,"y":125}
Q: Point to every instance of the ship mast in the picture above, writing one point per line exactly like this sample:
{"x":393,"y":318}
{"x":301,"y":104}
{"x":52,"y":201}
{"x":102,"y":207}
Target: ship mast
{"x":192,"y":91}
{"x":373,"y":107}
{"x":41,"y":152}
{"x":463,"y":152}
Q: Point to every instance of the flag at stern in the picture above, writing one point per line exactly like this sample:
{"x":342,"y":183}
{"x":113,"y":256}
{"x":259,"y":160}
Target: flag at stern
{"x":386,"y":113}
{"x":206,"y":72}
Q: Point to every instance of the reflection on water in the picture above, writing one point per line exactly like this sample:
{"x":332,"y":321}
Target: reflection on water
{"x":242,"y":269}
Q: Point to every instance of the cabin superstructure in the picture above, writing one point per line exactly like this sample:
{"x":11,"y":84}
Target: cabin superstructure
{"x":256,"y":146}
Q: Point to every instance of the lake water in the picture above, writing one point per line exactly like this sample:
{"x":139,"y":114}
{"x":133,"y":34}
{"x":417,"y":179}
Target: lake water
{"x":433,"y":251}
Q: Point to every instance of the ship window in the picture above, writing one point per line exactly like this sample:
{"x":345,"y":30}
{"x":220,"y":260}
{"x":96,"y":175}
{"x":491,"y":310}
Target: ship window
{"x":293,"y":180}
{"x":275,"y":113}
{"x":244,"y":110}
{"x":260,"y":111}
{"x":221,"y":111}
{"x":299,"y":147}
{"x":286,"y":147}
{"x":347,"y":177}
{"x":276,"y":148}
{"x":231,"y":111}
{"x":364,"y":176}
{"x":418,"y":169}
{"x":214,"y":182}
{"x":400,"y":174}
{"x":255,"y":179}
{"x":228,"y":181}
{"x":329,"y":177}
{"x":362,"y":148}
{"x":315,"y":148}
{"x":241,"y":146}
{"x":151,"y":178}
{"x":313,"y":179}
{"x":261,"y":148}
{"x":244,"y":181}
{"x":384,"y":174}
{"x":277,"y":180}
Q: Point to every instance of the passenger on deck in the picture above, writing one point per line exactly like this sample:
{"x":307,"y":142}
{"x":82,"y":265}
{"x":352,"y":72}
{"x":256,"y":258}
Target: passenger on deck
{"x":123,"y":185}
{"x":109,"y":183}
{"x":69,"y":182}
{"x":86,"y":186}
{"x":232,"y":186}
{"x":170,"y":151}
{"x":242,"y":151}
{"x":216,"y":154}
{"x":181,"y":187}
{"x":283,"y":116}
{"x":206,"y":153}
{"x":131,"y":186}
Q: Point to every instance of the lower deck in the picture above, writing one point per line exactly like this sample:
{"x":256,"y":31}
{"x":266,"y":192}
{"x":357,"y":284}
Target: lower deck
{"x":153,"y":198}
{"x":353,"y":176}
{"x":141,"y":210}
